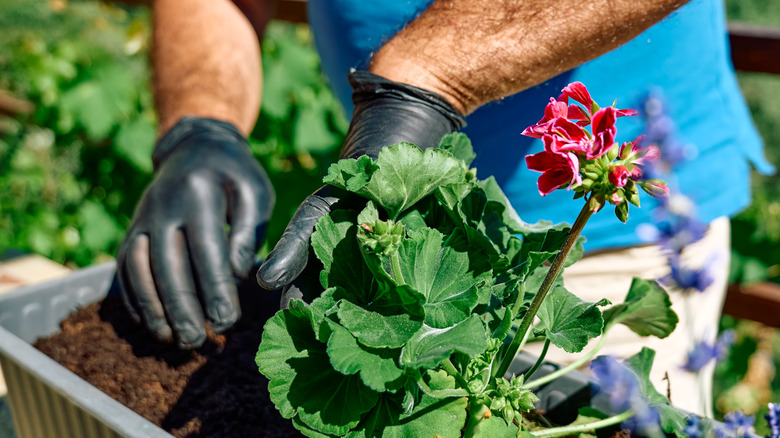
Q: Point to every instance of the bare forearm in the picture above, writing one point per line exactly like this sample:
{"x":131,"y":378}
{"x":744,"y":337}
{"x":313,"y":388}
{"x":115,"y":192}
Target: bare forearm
{"x":476,"y":51}
{"x":206,"y":63}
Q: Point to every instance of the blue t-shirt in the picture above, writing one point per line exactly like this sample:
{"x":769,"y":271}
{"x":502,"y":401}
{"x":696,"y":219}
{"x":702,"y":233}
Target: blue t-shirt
{"x":686,"y":55}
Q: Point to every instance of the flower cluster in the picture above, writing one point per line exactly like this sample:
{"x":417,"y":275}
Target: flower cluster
{"x":737,"y":424}
{"x":693,"y":427}
{"x":590,"y":162}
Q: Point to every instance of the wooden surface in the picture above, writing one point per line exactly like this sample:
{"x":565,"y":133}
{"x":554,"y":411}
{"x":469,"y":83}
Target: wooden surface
{"x":757,"y":301}
{"x":755,"y":49}
{"x":24,"y":271}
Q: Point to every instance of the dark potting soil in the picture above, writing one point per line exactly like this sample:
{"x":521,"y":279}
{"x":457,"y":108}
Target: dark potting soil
{"x":214,"y":391}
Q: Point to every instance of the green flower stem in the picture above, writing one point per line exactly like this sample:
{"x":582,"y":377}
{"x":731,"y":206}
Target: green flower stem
{"x":519,"y":301}
{"x":539,"y":361}
{"x":395,"y":267}
{"x":579,"y":428}
{"x":544,"y":289}
{"x":570,"y":367}
{"x":450,"y":368}
{"x":476,"y":415}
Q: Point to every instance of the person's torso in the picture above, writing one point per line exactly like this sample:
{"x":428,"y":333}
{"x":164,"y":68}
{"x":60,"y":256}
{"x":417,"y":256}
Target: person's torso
{"x":685,"y":56}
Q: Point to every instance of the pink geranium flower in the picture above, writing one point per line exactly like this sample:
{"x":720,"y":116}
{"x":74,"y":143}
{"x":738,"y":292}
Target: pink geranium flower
{"x":558,"y":167}
{"x":618,"y":176}
{"x":555,"y":110}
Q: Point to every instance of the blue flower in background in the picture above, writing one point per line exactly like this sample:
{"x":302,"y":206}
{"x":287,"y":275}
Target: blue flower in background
{"x":678,"y":226}
{"x":773,"y":420}
{"x":703,"y":352}
{"x":691,"y":279}
{"x":620,"y":384}
{"x":693,"y":427}
{"x":739,"y":423}
{"x":661,"y":131}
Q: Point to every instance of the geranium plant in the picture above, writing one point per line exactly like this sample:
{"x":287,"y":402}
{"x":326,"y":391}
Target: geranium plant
{"x":433,"y":286}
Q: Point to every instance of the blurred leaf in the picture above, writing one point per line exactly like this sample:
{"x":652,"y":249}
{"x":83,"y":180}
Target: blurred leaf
{"x":312,"y":133}
{"x":98,"y":228}
{"x":135,"y":141}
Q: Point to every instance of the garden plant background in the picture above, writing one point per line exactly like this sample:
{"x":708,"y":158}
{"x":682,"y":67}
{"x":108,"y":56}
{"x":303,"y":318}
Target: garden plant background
{"x":72,"y":170}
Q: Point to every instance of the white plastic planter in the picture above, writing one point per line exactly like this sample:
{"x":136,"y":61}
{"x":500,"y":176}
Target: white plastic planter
{"x":46,"y":399}
{"x":49,"y":401}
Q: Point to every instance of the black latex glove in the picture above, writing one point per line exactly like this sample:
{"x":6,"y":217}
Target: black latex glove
{"x":386,"y":113}
{"x":178,"y":263}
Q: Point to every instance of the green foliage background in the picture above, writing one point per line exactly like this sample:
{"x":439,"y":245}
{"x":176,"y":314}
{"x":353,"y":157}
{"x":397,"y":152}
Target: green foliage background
{"x":72,"y":171}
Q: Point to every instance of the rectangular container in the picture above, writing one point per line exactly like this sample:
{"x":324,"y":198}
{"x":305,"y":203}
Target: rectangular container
{"x":48,"y":401}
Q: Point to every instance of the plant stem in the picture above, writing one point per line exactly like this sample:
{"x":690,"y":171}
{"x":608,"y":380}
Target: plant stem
{"x":395,"y":267}
{"x":519,"y":301}
{"x":539,"y":361}
{"x":570,"y":367}
{"x":544,"y":289}
{"x":476,"y":415}
{"x":574,"y":430}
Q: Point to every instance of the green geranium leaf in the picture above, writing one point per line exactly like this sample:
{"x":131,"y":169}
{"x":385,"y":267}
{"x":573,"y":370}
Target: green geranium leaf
{"x":302,"y":380}
{"x":429,"y":346}
{"x":495,"y":427}
{"x":377,"y":330}
{"x":395,"y":181}
{"x":369,"y":214}
{"x":459,"y":145}
{"x":334,"y":242}
{"x":569,"y":322}
{"x":673,"y":420}
{"x":413,"y":220}
{"x":646,"y":310}
{"x":376,"y":366}
{"x":453,"y":199}
{"x":430,"y":417}
{"x":510,"y":217}
{"x":351,"y":174}
{"x":445,"y":272}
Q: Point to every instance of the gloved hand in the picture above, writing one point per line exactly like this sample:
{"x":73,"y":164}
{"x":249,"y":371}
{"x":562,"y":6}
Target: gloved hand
{"x":386,"y":113}
{"x":178,"y":265}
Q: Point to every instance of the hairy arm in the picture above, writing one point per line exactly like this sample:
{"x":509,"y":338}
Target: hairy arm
{"x":206,"y":58}
{"x":475,"y":51}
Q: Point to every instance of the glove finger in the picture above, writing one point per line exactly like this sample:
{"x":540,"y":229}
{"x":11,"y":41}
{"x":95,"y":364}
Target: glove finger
{"x":289,"y":257}
{"x":176,"y":288}
{"x":138,"y":285}
{"x":248,"y":220}
{"x":124,"y":283}
{"x":209,"y":255}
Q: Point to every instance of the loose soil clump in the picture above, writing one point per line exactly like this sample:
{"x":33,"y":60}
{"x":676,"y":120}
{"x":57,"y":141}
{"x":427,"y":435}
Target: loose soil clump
{"x":214,"y":391}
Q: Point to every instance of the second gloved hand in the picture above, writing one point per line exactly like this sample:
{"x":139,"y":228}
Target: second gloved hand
{"x":386,"y":113}
{"x":178,"y":263}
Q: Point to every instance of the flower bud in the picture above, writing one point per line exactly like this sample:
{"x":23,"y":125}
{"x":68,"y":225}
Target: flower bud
{"x":613,"y":152}
{"x":655,"y":188}
{"x":618,"y":176}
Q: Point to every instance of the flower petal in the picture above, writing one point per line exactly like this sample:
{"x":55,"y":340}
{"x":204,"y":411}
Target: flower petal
{"x":578,"y":92}
{"x":604,"y":120}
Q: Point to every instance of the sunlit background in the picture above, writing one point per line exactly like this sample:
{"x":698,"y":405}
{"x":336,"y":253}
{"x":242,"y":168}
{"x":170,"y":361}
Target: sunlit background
{"x":77,"y":126}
